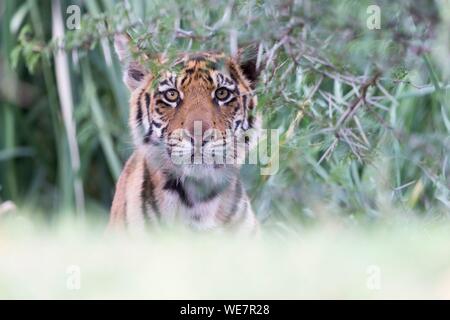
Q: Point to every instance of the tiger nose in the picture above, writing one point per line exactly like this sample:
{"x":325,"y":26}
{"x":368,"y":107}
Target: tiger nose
{"x":198,"y":128}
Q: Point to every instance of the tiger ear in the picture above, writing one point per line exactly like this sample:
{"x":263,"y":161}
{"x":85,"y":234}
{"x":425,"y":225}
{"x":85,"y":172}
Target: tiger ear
{"x":248,"y":62}
{"x":133,"y":72}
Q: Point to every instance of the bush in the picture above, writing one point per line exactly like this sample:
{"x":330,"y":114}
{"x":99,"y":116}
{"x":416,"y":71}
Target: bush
{"x":363,"y":114}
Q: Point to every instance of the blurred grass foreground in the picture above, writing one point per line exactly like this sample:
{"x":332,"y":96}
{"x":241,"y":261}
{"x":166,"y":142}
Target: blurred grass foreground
{"x":359,"y":207}
{"x":402,"y":261}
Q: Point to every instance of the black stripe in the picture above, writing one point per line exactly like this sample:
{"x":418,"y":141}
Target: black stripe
{"x":251,"y":104}
{"x":228,"y":81}
{"x":139,"y":113}
{"x":148,"y":134}
{"x":233,"y":76}
{"x":174,"y":185}
{"x":139,"y":109}
{"x":211,"y":195}
{"x":163,"y":131}
{"x":251,"y":120}
{"x":164,"y":83}
{"x":184,"y":80}
{"x":157,"y":124}
{"x":147,"y":194}
{"x":244,"y":100}
{"x":135,"y":74}
{"x":220,"y":79}
{"x":209,"y":78}
{"x":238,"y":123}
{"x":147,"y":105}
{"x":147,"y":108}
{"x":158,"y":111}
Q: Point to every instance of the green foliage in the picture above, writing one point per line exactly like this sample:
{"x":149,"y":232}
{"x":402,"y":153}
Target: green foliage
{"x":25,"y":49}
{"x":363,"y":113}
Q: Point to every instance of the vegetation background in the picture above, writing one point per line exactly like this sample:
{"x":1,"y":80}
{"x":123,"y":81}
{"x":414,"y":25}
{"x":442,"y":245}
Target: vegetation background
{"x":364,"y":113}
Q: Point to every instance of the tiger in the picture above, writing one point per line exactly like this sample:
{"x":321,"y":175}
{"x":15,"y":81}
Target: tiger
{"x":193,"y":108}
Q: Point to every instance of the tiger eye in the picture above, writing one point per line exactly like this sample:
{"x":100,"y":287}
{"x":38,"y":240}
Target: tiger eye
{"x":171,"y":95}
{"x":222,"y":93}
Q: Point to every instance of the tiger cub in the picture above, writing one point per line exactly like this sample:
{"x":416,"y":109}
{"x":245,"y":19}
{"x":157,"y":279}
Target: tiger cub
{"x":189,"y":125}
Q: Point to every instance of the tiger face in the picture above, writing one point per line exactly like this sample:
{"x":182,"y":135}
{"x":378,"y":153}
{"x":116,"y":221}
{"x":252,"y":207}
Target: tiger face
{"x":199,"y":115}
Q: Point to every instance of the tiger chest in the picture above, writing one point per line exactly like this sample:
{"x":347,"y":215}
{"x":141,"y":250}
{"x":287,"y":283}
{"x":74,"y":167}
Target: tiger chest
{"x":201,"y":215}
